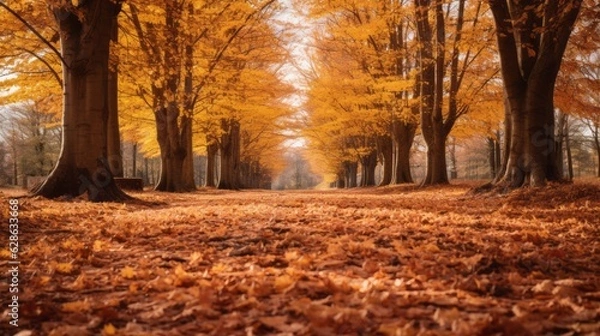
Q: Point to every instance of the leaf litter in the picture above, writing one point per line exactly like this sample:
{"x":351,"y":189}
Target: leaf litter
{"x":388,"y":261}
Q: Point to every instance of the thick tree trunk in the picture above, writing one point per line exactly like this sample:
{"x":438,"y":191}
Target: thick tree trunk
{"x":340,"y":183}
{"x":507,"y":123}
{"x":560,"y":142}
{"x":431,"y":93}
{"x":437,"y":170}
{"x":368,"y":163}
{"x":350,"y":170}
{"x":385,"y":147}
{"x":211,"y":154}
{"x":530,"y":55}
{"x":115,"y":157}
{"x":230,"y":155}
{"x":83,"y":165}
{"x":188,"y":161}
{"x":173,"y":143}
{"x":403,"y":135}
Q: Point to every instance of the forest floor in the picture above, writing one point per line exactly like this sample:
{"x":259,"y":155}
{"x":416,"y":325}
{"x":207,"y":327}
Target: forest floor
{"x":383,"y":261}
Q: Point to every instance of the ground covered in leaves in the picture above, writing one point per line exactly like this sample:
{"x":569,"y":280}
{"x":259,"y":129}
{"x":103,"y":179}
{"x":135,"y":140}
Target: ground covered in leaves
{"x":390,"y":261}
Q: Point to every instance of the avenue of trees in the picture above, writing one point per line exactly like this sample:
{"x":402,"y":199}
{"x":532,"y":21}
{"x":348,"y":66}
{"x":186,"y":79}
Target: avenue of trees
{"x":386,"y":73}
{"x":182,"y":78}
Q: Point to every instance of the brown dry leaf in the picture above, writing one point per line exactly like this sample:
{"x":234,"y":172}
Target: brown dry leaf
{"x":446,"y":317}
{"x":76,"y":306}
{"x":69,"y":330}
{"x":390,"y":261}
{"x":284,"y":283}
{"x":544,"y":287}
{"x":183,"y":278}
{"x":280,"y":323}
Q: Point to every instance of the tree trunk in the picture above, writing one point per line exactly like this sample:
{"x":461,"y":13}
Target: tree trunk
{"x":368,"y":163}
{"x":531,"y":43}
{"x":115,"y":157}
{"x":83,"y":165}
{"x":559,"y":142}
{"x":134,"y":153}
{"x":568,"y":149}
{"x":492,"y":155}
{"x":431,"y":92}
{"x":146,"y":172}
{"x":384,"y":147}
{"x":211,"y":154}
{"x":172,"y":140}
{"x":188,"y":161}
{"x":437,"y":170}
{"x":453,"y":164}
{"x":230,"y":155}
{"x":403,"y":135}
{"x":173,"y":126}
{"x":597,"y":145}
{"x":350,"y":169}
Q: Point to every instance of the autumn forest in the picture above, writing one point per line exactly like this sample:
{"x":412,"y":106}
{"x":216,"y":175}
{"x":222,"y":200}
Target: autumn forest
{"x":300,"y":167}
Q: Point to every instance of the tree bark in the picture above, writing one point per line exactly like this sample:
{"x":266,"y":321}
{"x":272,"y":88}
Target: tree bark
{"x":560,"y":142}
{"x":230,"y":155}
{"x":493,"y":156}
{"x":431,"y":91}
{"x":453,"y":164}
{"x":531,"y":46}
{"x":134,"y":153}
{"x":568,"y":150}
{"x":368,"y":163}
{"x":384,"y":148}
{"x":115,"y":157}
{"x":188,"y":161}
{"x":596,"y":137}
{"x":83,"y":165}
{"x":173,"y":118}
{"x":350,"y":170}
{"x":403,"y":135}
{"x":211,"y":153}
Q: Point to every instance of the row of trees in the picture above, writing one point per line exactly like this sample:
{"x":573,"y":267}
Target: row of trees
{"x":386,"y":71}
{"x":178,"y":76}
{"x":184,"y":76}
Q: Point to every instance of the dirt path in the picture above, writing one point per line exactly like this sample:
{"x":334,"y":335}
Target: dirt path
{"x":387,"y":261}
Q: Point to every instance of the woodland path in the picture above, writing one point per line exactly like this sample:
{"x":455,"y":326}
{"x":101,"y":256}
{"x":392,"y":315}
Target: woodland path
{"x":391,"y":261}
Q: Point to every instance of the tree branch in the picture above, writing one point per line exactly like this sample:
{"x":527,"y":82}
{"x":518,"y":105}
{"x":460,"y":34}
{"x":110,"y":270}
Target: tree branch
{"x":34,"y":31}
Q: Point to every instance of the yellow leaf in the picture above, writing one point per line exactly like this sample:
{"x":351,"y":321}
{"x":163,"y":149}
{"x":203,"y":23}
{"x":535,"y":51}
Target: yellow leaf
{"x":98,"y":245}
{"x":109,"y":330}
{"x":183,"y":278}
{"x":4,"y":254}
{"x":44,"y":280}
{"x":195,"y":257}
{"x":432,"y":248}
{"x":128,"y":272}
{"x":64,"y":268}
{"x":283,"y":282}
{"x":76,"y":306}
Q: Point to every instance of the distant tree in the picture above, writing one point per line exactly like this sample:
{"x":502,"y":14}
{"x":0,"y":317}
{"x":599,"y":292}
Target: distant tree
{"x":40,"y":139}
{"x":5,"y":176}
